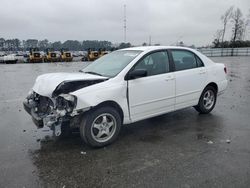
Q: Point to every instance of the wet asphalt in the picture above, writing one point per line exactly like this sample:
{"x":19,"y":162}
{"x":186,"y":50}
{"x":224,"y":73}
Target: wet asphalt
{"x":179,"y":149}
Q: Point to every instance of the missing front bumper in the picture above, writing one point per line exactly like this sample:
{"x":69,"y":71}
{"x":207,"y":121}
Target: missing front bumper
{"x":52,"y":121}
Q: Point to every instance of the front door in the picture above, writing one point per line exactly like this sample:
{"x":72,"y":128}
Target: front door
{"x":153,"y":94}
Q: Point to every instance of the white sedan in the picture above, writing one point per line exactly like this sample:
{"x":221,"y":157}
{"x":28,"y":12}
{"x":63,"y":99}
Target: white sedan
{"x":123,"y":87}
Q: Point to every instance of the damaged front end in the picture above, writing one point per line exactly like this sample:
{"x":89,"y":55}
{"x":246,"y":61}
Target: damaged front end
{"x":50,"y":103}
{"x":50,"y":112}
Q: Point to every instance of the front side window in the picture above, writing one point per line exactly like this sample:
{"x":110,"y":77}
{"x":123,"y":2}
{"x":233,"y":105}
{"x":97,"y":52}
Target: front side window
{"x":184,"y":59}
{"x":154,"y":63}
{"x":112,"y":64}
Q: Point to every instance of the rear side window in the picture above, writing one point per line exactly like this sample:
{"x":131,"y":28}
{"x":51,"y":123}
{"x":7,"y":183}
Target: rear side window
{"x":184,"y":60}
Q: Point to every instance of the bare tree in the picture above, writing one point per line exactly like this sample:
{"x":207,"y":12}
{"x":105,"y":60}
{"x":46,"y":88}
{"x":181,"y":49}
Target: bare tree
{"x":238,"y":25}
{"x":246,"y":26}
{"x":217,"y":37}
{"x":225,"y":18}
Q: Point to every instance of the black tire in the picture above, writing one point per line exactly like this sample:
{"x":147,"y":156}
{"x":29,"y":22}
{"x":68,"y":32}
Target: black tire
{"x":87,"y":126}
{"x":201,"y":107}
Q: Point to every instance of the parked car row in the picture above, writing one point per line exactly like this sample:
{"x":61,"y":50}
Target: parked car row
{"x":36,"y":57}
{"x":92,"y":55}
{"x":8,"y":59}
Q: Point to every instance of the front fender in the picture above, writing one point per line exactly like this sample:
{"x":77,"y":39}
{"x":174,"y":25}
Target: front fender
{"x":96,"y":94}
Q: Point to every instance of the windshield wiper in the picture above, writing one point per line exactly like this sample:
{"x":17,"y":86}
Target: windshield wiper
{"x":90,"y":72}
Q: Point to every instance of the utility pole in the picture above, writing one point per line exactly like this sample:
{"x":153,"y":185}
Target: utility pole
{"x":149,"y":42}
{"x":125,"y":24}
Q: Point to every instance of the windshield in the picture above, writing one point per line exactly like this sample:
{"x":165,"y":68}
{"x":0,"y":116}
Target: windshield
{"x":111,"y":64}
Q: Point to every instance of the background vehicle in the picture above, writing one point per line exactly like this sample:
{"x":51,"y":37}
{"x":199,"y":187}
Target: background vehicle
{"x":26,"y":54}
{"x":35,"y":56}
{"x":2,"y":54}
{"x":123,"y":87}
{"x":94,"y":54}
{"x":102,"y":52}
{"x":66,"y":56}
{"x":8,"y":59}
{"x":51,"y":56}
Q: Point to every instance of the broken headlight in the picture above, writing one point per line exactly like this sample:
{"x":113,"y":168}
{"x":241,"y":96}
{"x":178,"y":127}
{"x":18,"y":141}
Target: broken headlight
{"x":66,"y":102}
{"x":32,"y":95}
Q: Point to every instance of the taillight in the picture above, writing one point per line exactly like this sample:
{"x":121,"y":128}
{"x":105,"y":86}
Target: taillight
{"x":225,"y":70}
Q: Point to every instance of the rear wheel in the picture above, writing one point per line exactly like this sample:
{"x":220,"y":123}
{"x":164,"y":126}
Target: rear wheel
{"x":207,"y":100}
{"x":100,"y":127}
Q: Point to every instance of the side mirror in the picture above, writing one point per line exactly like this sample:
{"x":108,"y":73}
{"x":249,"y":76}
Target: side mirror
{"x":136,"y":74}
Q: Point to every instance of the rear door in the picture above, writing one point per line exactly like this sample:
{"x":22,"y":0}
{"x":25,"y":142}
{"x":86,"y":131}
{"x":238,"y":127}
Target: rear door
{"x":154,"y":94}
{"x":190,"y":75}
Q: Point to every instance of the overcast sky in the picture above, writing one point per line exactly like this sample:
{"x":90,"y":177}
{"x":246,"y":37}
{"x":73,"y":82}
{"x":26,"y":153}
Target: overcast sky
{"x":166,"y":21}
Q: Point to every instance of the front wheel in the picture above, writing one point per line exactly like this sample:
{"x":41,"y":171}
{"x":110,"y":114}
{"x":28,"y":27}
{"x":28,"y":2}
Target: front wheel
{"x":101,"y":126}
{"x":207,"y":100}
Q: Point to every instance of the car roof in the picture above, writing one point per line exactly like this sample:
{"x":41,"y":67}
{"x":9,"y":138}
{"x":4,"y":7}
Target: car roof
{"x":150,"y":48}
{"x":146,"y":49}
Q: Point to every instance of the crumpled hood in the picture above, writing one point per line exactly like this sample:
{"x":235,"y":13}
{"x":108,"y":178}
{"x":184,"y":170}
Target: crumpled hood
{"x":45,"y":84}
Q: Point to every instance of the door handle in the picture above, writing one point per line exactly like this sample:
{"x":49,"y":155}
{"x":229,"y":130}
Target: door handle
{"x":169,"y":78}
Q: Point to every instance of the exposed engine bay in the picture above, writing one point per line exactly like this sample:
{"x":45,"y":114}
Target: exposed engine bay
{"x":70,"y":86}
